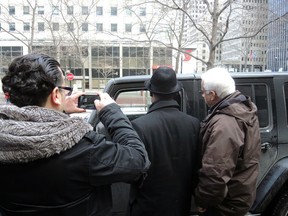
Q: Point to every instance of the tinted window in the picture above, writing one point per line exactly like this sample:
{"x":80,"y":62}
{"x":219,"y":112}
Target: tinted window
{"x":286,"y":98}
{"x":259,"y":95}
{"x":134,"y":103}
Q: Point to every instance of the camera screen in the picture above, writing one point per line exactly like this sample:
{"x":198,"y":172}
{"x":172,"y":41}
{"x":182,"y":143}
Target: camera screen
{"x":87,"y":101}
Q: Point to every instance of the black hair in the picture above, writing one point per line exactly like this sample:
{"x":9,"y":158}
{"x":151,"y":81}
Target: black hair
{"x":31,"y":78}
{"x":164,"y":96}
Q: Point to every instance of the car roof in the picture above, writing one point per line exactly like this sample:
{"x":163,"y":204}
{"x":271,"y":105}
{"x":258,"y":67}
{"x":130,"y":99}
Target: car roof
{"x":141,"y":78}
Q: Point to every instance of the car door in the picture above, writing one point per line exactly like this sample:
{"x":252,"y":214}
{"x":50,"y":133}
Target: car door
{"x":262,"y":93}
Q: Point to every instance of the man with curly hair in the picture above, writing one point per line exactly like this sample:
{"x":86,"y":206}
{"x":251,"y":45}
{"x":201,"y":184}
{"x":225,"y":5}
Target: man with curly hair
{"x":53,"y":164}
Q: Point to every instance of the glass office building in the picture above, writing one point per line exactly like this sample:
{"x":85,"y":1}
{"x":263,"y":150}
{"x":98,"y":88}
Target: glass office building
{"x":277,"y":50}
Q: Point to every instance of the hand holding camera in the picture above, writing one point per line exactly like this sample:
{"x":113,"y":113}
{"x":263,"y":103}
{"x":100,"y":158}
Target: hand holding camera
{"x":98,"y":100}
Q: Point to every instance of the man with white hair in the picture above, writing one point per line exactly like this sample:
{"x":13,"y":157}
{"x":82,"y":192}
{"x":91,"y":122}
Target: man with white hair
{"x":231,"y":148}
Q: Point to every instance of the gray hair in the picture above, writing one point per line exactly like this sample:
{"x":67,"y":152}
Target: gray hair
{"x":219,"y":80}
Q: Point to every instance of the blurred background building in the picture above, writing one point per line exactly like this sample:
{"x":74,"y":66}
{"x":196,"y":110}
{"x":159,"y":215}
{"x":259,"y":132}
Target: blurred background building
{"x":100,"y":39}
{"x":277,"y":48}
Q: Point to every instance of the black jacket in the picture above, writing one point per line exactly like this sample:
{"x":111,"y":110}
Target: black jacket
{"x":76,"y":181}
{"x":171,"y":140}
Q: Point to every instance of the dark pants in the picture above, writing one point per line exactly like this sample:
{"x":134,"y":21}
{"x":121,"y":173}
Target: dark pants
{"x":210,"y":212}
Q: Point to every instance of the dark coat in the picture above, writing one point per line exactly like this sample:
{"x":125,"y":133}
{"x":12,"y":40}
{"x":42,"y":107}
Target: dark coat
{"x":231,"y":151}
{"x":171,"y":140}
{"x":76,"y":182}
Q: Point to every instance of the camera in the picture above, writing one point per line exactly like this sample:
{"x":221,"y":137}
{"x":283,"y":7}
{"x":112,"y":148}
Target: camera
{"x":87,"y":101}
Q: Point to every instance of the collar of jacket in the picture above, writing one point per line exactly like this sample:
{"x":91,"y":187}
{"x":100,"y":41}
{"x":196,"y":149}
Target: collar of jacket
{"x":163,"y":104}
{"x":31,"y":133}
{"x":236,"y":97}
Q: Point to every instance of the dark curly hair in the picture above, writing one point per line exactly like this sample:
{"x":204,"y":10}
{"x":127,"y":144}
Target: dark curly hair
{"x":31,"y":78}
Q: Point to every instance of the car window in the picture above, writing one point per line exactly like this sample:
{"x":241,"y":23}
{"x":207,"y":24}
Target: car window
{"x":134,"y":103}
{"x":259,"y":95}
{"x":286,"y":99}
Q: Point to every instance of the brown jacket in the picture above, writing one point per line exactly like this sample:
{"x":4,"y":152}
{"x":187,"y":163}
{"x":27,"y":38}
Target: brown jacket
{"x":231,"y":151}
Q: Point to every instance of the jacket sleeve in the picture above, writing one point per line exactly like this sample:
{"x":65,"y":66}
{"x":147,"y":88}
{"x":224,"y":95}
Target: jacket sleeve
{"x":222,"y":142}
{"x":124,"y":158}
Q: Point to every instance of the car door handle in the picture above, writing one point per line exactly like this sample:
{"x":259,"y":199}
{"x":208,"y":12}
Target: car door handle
{"x":265,"y":146}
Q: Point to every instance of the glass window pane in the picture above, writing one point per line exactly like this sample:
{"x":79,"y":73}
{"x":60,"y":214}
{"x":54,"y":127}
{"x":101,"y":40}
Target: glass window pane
{"x":55,"y":26}
{"x":99,"y":27}
{"x":113,"y":11}
{"x":40,"y":10}
{"x":85,"y":10}
{"x":115,"y":51}
{"x":126,"y":52}
{"x":85,"y":27}
{"x":113,"y":27}
{"x":25,"y":10}
{"x":69,"y":10}
{"x":99,"y":11}
{"x":26,"y":26}
{"x":133,"y":51}
{"x":286,"y":98}
{"x":128,"y":27}
{"x":142,"y":11}
{"x":11,"y":10}
{"x":134,"y":103}
{"x":12,"y":27}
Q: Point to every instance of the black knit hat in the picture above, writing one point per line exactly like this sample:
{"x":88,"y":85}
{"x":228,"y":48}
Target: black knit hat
{"x":163,"y":81}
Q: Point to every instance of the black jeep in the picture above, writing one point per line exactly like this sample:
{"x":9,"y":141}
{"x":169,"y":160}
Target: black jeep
{"x":270,"y":93}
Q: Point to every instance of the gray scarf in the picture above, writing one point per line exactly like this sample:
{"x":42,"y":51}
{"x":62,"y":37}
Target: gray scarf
{"x":31,"y":133}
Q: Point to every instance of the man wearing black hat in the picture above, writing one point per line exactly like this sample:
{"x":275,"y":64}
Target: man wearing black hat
{"x":171,"y":140}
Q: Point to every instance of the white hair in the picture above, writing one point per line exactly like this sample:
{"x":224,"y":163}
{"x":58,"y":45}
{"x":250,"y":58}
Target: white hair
{"x":219,"y":80}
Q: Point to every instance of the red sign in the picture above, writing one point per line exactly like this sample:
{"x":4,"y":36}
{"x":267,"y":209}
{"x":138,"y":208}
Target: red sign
{"x":69,"y":76}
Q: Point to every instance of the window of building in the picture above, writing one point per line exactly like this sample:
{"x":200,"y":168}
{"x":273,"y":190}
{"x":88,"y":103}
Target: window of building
{"x":85,"y":27}
{"x":12,"y":27}
{"x":99,"y":27}
{"x":41,"y":26}
{"x":105,"y":56}
{"x":40,"y":10}
{"x":113,"y":11}
{"x":49,"y":50}
{"x":11,"y":10}
{"x":55,"y":26}
{"x":26,"y":26}
{"x":142,"y":11}
{"x":142,"y":28}
{"x":8,"y":53}
{"x":11,"y":51}
{"x":85,"y":10}
{"x":70,"y":27}
{"x":69,"y":10}
{"x":128,"y":27}
{"x":99,"y":11}
{"x":128,"y":11}
{"x":55,"y":10}
{"x":113,"y":27}
{"x":26,"y":10}
{"x":162,"y":56}
{"x":136,"y":60}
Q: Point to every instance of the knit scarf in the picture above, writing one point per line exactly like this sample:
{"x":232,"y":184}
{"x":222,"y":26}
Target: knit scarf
{"x":30,"y":133}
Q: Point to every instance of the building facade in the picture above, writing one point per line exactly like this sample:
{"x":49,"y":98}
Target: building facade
{"x":277,"y":50}
{"x":95,"y":40}
{"x":248,"y":24}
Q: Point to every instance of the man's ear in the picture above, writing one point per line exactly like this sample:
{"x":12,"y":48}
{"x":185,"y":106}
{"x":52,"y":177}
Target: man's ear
{"x":213,"y":95}
{"x":56,"y":96}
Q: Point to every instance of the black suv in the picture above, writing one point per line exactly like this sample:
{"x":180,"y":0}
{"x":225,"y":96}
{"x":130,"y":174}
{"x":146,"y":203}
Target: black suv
{"x":268,"y":90}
